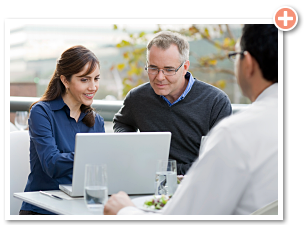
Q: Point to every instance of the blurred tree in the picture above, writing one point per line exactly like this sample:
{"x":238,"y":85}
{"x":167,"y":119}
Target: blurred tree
{"x":219,"y":36}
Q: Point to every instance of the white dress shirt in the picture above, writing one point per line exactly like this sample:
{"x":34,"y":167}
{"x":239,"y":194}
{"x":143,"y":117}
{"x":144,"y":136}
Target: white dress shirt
{"x":237,"y":170}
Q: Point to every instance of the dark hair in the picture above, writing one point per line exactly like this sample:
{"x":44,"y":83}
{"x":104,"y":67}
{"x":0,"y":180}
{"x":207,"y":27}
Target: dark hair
{"x":261,"y":41}
{"x":72,"y":61}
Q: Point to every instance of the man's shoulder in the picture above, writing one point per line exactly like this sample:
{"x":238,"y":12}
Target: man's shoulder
{"x":143,"y":90}
{"x":204,"y":87}
{"x":250,"y":116}
{"x":142,"y":87}
{"x":209,"y":92}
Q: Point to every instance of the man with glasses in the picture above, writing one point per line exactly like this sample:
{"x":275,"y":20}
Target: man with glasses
{"x":237,"y":172}
{"x":173,"y":100}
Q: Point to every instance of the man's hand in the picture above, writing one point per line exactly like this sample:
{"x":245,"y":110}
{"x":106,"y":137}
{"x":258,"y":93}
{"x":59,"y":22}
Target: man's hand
{"x":116,"y":202}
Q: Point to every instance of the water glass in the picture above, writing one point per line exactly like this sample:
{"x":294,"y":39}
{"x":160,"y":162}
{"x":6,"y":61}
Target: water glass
{"x":96,"y":189}
{"x":21,"y":120}
{"x":166,"y":177}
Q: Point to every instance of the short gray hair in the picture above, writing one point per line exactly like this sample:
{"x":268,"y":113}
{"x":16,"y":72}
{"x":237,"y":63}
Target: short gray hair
{"x":164,"y":39}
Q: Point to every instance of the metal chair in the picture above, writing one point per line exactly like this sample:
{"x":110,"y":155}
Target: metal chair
{"x":19,"y":166}
{"x":270,"y":209}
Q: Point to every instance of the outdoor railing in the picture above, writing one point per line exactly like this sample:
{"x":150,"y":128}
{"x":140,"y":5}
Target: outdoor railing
{"x":105,"y":108}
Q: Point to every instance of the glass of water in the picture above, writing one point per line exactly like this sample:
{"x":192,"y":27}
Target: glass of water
{"x":96,"y":189}
{"x":166,"y":177}
{"x":21,"y":120}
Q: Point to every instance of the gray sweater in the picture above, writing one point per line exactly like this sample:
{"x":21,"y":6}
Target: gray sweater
{"x":188,"y":120}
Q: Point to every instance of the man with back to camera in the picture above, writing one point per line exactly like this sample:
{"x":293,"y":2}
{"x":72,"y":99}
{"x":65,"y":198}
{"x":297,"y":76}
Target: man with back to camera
{"x":173,"y":100}
{"x":237,"y":172}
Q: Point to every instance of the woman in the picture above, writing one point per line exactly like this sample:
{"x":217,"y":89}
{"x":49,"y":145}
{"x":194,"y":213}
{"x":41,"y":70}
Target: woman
{"x":64,"y":110}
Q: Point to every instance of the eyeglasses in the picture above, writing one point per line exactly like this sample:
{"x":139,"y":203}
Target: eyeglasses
{"x":166,"y":72}
{"x":232,"y":55}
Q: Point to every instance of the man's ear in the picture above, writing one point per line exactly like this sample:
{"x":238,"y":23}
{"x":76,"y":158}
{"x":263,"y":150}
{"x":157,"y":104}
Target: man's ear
{"x":248,"y":64}
{"x":64,"y":81}
{"x":186,"y":66}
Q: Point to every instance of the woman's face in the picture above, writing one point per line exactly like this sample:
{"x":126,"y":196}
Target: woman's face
{"x":82,"y":88}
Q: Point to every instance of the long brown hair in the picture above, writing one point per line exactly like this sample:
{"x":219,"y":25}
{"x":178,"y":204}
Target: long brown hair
{"x":72,"y":61}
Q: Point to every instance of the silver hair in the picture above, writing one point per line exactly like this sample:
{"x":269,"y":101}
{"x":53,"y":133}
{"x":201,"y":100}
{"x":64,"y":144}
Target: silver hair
{"x":164,"y":39}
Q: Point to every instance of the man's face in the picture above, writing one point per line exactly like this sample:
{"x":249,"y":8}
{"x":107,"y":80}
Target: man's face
{"x":170,"y":87}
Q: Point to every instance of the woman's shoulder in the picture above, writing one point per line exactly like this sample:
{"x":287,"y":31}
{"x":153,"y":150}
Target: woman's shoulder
{"x":41,"y":111}
{"x":41,"y":106}
{"x":49,"y":105}
{"x":98,"y":117}
{"x":99,"y":124}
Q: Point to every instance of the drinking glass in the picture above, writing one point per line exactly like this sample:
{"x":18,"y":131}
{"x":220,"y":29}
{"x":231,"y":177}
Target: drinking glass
{"x":21,"y":120}
{"x":96,"y":189}
{"x":166,"y":177}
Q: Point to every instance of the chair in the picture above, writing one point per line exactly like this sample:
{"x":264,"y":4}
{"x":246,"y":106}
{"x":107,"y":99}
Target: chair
{"x":19,"y":166}
{"x":13,"y":127}
{"x":270,"y":209}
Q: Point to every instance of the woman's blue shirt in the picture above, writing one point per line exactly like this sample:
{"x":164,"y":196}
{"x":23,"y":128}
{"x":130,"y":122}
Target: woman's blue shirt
{"x":52,"y":140}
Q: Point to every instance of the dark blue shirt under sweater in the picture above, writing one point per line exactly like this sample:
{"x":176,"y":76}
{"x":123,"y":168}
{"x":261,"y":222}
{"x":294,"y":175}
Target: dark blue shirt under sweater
{"x":188,"y":120}
{"x":52,"y":139}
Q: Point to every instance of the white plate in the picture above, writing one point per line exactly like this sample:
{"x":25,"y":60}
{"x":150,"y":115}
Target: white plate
{"x":139,"y":203}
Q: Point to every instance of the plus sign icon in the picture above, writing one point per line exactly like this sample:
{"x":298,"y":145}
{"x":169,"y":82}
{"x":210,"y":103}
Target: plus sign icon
{"x":285,"y":18}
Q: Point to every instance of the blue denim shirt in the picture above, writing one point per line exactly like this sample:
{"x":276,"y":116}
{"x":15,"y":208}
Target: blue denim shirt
{"x":52,"y":139}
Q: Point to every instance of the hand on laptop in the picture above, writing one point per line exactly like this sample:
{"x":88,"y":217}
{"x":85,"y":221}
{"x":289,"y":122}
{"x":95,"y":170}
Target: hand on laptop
{"x":116,"y":202}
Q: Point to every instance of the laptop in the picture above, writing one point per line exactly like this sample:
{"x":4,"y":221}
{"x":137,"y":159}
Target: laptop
{"x":131,"y":160}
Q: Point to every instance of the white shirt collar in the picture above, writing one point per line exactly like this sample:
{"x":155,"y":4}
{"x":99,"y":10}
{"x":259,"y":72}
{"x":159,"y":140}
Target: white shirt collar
{"x":268,"y":91}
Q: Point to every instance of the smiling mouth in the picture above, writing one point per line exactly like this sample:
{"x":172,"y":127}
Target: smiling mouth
{"x":160,"y":85}
{"x":90,"y":96}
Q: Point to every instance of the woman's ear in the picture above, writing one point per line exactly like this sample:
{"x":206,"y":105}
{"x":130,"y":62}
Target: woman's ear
{"x":64,"y":81}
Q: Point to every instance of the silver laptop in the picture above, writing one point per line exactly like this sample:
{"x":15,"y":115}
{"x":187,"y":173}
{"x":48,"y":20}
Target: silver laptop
{"x":131,"y":160}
